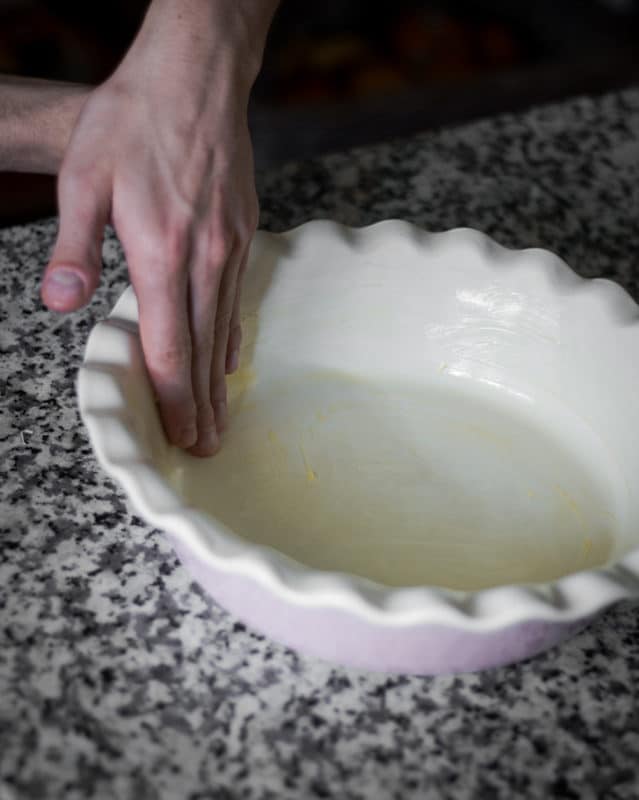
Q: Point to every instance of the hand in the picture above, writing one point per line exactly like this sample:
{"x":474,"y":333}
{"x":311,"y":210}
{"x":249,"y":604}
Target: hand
{"x":162,"y":150}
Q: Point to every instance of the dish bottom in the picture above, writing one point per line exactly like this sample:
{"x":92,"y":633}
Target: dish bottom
{"x":456,"y":484}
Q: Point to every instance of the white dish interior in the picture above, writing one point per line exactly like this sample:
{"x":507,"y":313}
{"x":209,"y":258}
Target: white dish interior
{"x":414,"y":410}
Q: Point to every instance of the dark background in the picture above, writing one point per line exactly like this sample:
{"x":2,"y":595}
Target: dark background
{"x":340,"y":73}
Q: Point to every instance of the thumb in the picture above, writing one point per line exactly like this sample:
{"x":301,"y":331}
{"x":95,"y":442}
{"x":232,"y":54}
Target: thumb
{"x":73,"y":273}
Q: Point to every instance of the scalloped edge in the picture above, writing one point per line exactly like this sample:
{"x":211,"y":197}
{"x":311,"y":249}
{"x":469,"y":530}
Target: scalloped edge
{"x":571,"y":598}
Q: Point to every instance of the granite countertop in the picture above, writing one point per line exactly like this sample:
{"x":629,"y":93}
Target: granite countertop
{"x":119,"y":678}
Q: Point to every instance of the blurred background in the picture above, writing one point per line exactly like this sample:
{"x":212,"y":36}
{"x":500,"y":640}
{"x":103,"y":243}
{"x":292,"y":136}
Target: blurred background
{"x":341,"y":73}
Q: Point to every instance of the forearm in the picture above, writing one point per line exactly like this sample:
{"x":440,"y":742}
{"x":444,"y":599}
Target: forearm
{"x":36,"y":120}
{"x":225,"y":36}
{"x":38,"y":116}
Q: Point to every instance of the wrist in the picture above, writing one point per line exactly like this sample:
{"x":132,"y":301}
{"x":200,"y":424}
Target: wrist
{"x":226,"y":36}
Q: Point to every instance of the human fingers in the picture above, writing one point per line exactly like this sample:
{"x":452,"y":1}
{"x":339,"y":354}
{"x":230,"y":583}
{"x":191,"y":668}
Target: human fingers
{"x":232,"y":352}
{"x":207,"y":284}
{"x":73,"y":272}
{"x":227,"y":322}
{"x":158,"y":270}
{"x":223,"y":316}
{"x":235,"y":326}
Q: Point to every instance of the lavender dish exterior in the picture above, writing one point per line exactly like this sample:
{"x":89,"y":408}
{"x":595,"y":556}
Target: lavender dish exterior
{"x":338,"y":637}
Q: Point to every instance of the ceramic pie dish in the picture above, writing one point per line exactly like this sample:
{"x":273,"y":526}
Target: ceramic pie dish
{"x":430,"y":460}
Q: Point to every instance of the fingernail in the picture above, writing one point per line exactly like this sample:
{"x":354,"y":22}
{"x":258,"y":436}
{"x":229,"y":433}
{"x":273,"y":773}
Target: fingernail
{"x":220,"y":415}
{"x":234,"y":360}
{"x":188,"y":436}
{"x":65,"y":284}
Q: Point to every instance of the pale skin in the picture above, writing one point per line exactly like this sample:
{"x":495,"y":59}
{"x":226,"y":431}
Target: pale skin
{"x":162,"y":151}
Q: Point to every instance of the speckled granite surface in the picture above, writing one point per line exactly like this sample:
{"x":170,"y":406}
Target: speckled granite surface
{"x":120,"y":679}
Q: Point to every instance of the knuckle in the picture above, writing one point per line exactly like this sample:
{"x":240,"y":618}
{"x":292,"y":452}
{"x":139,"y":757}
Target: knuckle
{"x":218,"y":390}
{"x":170,"y":359}
{"x":165,"y":246}
{"x":204,"y":413}
{"x":78,"y":179}
{"x":220,"y":247}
